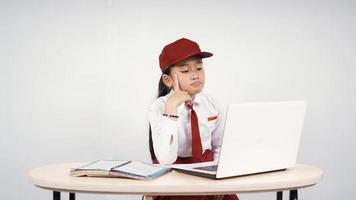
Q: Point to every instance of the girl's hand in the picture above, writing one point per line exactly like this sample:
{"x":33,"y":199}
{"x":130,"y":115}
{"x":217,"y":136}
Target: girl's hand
{"x":179,"y":96}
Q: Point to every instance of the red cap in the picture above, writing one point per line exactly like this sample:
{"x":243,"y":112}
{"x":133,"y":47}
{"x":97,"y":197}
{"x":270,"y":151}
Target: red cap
{"x":178,"y":51}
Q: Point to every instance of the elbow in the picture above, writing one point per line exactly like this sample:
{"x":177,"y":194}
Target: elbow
{"x":167,"y":156}
{"x":166,"y":159}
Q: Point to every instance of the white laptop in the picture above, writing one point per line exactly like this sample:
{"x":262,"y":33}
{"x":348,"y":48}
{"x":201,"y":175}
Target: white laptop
{"x":258,"y":137}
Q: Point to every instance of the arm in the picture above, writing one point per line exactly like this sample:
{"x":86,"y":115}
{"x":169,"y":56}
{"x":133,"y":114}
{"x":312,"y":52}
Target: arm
{"x":165,"y":129}
{"x":164,"y":136}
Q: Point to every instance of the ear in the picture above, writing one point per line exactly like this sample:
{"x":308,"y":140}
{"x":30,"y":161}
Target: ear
{"x":167,"y":80}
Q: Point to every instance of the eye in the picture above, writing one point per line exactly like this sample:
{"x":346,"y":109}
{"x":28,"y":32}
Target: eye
{"x":199,"y":67}
{"x":184,"y":70}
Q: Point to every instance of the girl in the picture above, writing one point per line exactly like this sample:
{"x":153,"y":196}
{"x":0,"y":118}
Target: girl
{"x":185,"y":124}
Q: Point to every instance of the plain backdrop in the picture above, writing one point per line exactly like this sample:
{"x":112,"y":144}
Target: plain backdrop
{"x":77,"y":77}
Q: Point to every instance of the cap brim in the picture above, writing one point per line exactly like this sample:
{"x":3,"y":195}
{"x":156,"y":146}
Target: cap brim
{"x":202,"y":54}
{"x":205,"y":54}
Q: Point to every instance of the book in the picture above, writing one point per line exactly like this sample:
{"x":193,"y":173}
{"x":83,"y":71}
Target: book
{"x":120,"y":168}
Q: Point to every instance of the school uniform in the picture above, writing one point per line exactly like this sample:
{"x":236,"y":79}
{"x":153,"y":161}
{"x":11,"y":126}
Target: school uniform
{"x":172,"y":139}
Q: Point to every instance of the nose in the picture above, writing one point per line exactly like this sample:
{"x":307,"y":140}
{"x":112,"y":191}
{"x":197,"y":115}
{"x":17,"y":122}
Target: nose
{"x":195,"y":73}
{"x":195,"y":76}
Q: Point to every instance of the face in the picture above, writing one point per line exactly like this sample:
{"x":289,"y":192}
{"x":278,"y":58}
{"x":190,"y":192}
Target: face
{"x":191,"y":75}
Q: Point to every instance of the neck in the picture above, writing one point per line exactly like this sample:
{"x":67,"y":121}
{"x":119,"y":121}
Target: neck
{"x":192,"y":97}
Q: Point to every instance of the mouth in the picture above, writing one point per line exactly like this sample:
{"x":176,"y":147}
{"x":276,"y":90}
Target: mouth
{"x":196,"y":84}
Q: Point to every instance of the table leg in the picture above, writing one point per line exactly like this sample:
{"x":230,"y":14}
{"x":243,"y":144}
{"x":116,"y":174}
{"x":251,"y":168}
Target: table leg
{"x":279,"y":195}
{"x":293,"y":195}
{"x":71,"y":196}
{"x":56,"y":195}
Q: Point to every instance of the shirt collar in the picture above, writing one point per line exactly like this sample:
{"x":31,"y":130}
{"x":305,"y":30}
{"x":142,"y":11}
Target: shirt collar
{"x":197,"y":99}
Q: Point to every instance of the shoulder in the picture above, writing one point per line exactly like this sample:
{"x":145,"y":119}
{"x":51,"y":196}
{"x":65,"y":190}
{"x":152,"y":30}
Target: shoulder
{"x":213,"y":103}
{"x":209,"y":100}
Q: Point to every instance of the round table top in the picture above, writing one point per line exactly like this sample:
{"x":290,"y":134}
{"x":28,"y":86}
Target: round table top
{"x":56,"y":177}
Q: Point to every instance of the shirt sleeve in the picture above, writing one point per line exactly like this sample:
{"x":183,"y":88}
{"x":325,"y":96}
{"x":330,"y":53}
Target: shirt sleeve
{"x":164,"y":136}
{"x":217,"y":134}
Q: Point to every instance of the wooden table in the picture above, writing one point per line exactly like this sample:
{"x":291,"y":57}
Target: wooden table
{"x":56,"y":178}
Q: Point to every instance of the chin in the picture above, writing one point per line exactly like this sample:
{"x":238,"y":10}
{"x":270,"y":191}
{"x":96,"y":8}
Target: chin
{"x":195,"y":91}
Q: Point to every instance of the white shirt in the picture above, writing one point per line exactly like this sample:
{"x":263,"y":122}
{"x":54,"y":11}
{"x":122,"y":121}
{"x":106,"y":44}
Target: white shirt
{"x":172,"y":138}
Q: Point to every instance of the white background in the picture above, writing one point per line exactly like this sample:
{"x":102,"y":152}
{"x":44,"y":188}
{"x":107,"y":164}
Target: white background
{"x":76,"y":79}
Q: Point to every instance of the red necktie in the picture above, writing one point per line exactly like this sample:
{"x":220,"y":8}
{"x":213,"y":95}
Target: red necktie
{"x":197,"y":149}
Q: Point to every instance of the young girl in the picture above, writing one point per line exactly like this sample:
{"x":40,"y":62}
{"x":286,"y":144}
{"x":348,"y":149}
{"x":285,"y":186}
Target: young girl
{"x":185,"y":124}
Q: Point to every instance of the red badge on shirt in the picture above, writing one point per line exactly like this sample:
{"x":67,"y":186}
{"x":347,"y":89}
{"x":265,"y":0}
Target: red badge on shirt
{"x":212,"y":118}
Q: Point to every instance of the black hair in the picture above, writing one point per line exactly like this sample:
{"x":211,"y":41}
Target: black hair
{"x":163,"y":90}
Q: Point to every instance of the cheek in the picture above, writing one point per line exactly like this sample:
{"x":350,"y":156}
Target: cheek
{"x":202,"y":76}
{"x":184,"y":81}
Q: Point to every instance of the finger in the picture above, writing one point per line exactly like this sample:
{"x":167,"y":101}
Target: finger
{"x":176,"y":83}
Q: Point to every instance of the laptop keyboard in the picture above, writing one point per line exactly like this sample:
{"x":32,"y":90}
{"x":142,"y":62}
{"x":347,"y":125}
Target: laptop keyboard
{"x":211,"y":168}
